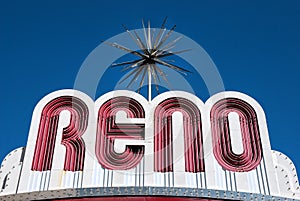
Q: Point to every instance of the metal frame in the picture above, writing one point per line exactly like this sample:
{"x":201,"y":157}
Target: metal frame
{"x":142,"y":191}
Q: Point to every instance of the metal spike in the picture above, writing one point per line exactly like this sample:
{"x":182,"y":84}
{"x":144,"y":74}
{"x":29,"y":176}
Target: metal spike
{"x":152,"y":40}
{"x":160,"y":33}
{"x":135,"y":76}
{"x":127,"y":76}
{"x":161,"y":51}
{"x":154,"y":77}
{"x":179,"y":69}
{"x":149,"y":36}
{"x":172,"y":43}
{"x":166,"y":37}
{"x":139,"y":63}
{"x":145,"y":35}
{"x":155,"y":70}
{"x":143,"y":79}
{"x":172,"y":53}
{"x":125,"y":49}
{"x":141,"y":42}
{"x":135,"y":39}
{"x":124,"y":63}
{"x":164,"y":76}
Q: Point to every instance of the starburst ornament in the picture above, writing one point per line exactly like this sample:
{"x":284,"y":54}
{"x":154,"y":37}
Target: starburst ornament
{"x":151,"y":55}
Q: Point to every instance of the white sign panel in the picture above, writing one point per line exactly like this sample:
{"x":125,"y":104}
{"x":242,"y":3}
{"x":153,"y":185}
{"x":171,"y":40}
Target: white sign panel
{"x":123,"y":140}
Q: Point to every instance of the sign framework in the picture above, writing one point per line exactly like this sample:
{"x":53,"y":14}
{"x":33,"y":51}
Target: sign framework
{"x":272,"y":175}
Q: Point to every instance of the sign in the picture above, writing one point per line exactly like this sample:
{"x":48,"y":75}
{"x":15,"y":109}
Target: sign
{"x":173,"y":141}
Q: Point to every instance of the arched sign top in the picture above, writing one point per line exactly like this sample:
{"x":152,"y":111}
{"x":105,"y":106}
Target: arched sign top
{"x":175,"y":140}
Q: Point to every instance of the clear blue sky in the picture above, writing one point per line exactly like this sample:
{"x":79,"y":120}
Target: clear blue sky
{"x":254,"y":44}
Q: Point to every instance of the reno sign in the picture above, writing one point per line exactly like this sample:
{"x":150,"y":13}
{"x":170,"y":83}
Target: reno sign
{"x":172,"y":141}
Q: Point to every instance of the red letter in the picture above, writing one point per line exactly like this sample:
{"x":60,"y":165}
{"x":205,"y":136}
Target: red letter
{"x":108,"y":131}
{"x":163,"y":147}
{"x":71,"y":138}
{"x":252,"y":154}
